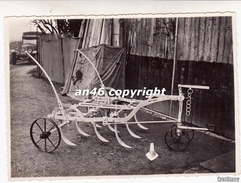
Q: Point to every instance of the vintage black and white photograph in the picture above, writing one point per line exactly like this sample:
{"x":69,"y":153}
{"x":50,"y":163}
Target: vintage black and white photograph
{"x":122,"y":95}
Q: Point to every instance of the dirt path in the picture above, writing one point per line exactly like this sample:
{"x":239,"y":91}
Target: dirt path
{"x":32,"y":98}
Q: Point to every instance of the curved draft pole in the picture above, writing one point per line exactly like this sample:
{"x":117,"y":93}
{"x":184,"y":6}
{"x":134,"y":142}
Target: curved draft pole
{"x":101,"y":82}
{"x":58,"y":101}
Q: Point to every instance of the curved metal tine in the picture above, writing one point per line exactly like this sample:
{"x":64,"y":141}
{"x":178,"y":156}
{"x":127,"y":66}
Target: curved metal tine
{"x":80,"y":130}
{"x":139,"y":124}
{"x":131,"y":132}
{"x":98,"y":134}
{"x":67,"y":141}
{"x":112,"y":129}
{"x":98,"y":126}
{"x":119,"y":140}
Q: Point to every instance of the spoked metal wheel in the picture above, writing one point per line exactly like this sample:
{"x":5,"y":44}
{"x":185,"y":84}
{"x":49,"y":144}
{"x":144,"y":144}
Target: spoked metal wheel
{"x":190,"y":132}
{"x":45,"y":134}
{"x":177,"y":139}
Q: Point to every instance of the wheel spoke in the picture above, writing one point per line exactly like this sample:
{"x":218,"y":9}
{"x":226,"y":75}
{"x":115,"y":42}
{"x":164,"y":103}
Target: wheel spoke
{"x":44,"y":125}
{"x":186,"y":135}
{"x":38,"y":141}
{"x":39,"y":126}
{"x":178,"y":148}
{"x":45,"y":145}
{"x":51,"y":128}
{"x":52,"y":143}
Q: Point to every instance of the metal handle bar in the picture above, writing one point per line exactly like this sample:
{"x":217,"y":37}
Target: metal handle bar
{"x":51,"y":83}
{"x":194,"y":86}
{"x":101,"y":82}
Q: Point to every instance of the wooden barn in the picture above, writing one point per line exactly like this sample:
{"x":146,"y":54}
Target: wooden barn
{"x":162,"y":52}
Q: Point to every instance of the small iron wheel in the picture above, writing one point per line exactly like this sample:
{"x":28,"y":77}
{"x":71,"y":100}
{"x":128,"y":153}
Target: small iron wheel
{"x":45,"y":134}
{"x":177,"y":141}
{"x":190,"y":132}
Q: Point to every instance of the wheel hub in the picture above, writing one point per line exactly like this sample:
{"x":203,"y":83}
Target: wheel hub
{"x":45,"y":135}
{"x":176,"y":139}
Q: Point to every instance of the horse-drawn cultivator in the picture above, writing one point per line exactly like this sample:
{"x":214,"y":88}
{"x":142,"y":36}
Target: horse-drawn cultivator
{"x":108,"y":111}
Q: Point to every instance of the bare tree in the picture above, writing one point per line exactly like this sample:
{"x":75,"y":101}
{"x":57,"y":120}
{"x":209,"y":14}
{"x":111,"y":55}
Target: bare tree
{"x":66,"y":27}
{"x":46,"y":26}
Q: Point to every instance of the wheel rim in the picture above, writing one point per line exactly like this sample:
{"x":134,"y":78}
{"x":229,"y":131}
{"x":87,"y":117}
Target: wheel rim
{"x":45,"y":134}
{"x":190,"y":132}
{"x":177,"y":141}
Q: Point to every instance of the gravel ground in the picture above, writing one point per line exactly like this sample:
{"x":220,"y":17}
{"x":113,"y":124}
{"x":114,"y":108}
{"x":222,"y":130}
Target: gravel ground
{"x":32,"y":98}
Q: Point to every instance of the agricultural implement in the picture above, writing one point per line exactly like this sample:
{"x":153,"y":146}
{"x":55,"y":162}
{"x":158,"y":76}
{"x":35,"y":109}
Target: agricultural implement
{"x":46,"y":133}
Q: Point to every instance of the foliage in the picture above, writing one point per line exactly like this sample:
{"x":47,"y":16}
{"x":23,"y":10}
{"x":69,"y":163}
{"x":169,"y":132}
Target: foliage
{"x":65,"y":27}
{"x":14,"y":44}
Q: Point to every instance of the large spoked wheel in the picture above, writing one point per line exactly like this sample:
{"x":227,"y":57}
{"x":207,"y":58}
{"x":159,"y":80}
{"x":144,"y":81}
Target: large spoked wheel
{"x":45,"y":134}
{"x":177,"y":139}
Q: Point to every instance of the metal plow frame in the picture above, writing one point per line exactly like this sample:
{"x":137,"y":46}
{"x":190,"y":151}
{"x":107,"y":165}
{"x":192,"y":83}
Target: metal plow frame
{"x":114,"y":111}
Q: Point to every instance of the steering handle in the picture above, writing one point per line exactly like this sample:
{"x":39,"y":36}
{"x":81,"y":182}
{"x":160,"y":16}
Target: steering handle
{"x":194,"y":87}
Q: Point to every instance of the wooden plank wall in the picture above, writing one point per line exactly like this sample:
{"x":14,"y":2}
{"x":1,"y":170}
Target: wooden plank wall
{"x":206,"y":39}
{"x":204,"y":57}
{"x":99,"y":31}
{"x":150,"y":37}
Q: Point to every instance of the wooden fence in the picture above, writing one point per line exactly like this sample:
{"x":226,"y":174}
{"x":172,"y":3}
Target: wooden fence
{"x":206,"y":39}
